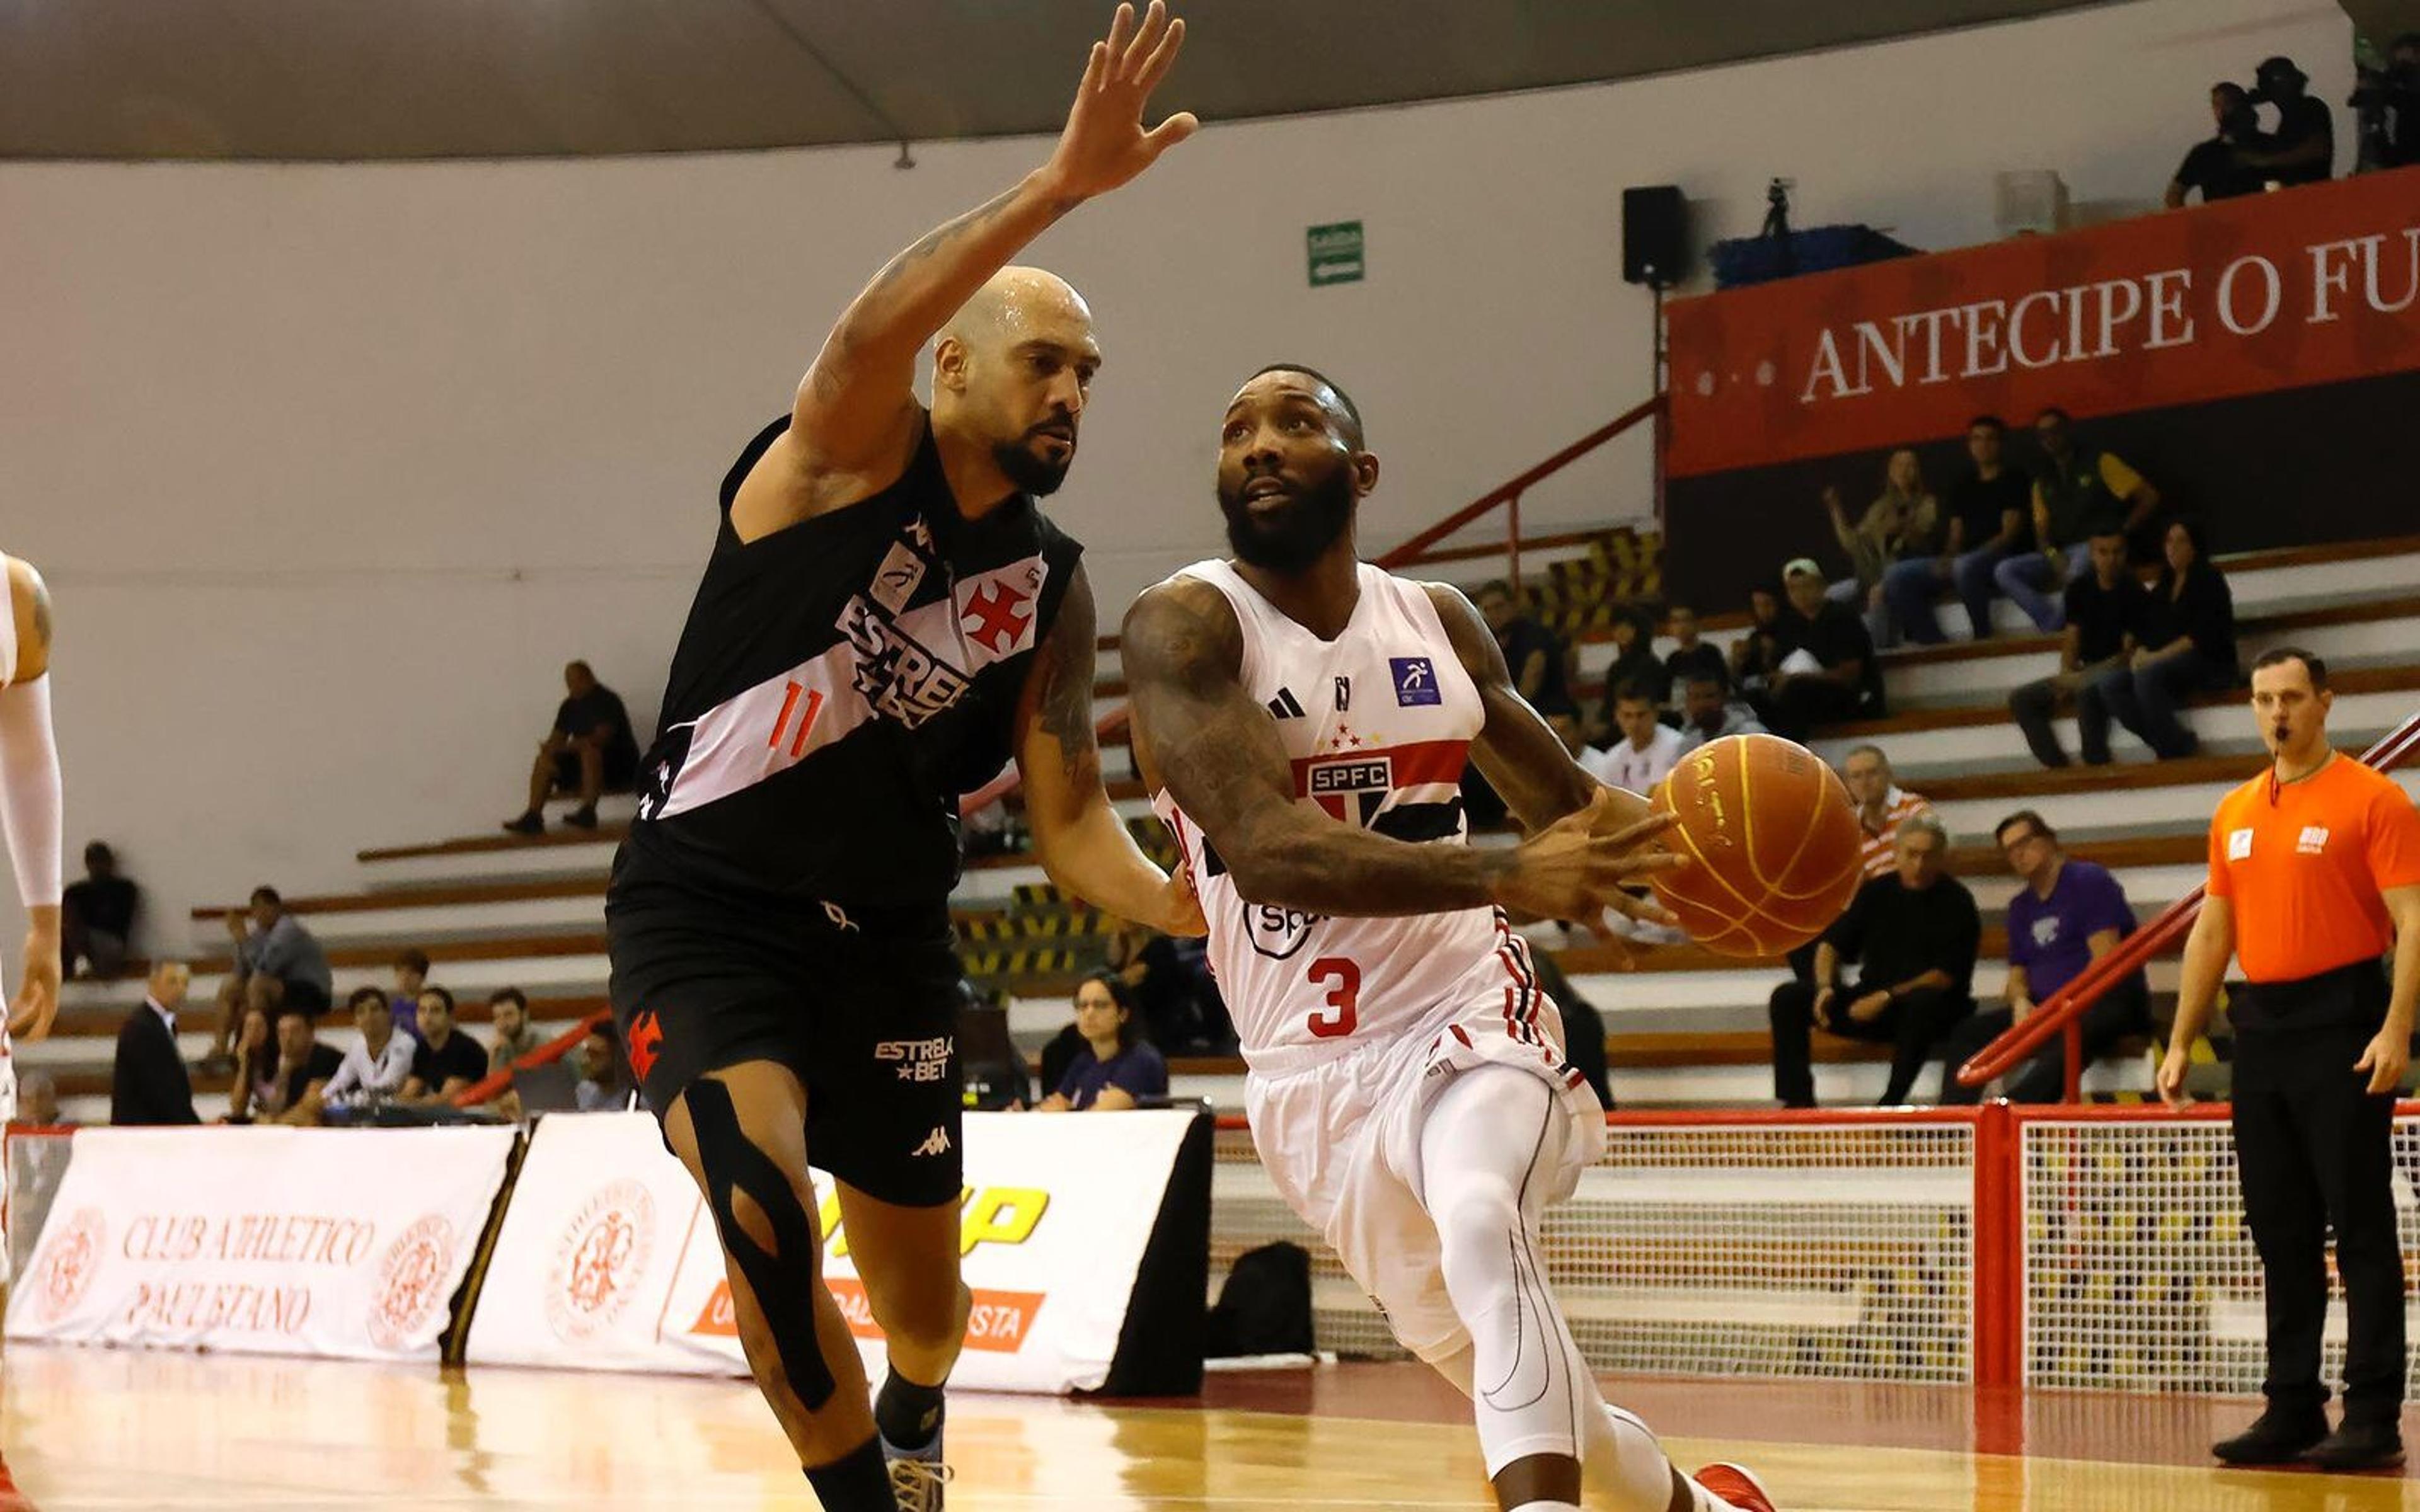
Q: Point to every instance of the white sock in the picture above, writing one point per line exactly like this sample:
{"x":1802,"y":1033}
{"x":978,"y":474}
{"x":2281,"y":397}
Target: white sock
{"x":1548,"y":1507}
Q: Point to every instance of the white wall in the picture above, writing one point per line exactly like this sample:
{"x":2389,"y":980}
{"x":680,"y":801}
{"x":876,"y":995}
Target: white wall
{"x":332,"y":467}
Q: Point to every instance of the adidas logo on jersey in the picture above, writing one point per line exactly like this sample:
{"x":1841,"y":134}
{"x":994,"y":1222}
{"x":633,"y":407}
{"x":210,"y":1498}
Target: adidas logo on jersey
{"x":1285,"y":705}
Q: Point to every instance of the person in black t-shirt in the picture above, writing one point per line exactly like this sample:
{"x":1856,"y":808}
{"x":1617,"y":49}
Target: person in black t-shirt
{"x":2104,"y":612}
{"x":97,"y":915}
{"x":1828,"y":673}
{"x":1691,"y":657}
{"x":1535,"y":653}
{"x":1988,"y":505}
{"x":886,"y":619}
{"x":2216,"y":167}
{"x":2184,"y":644}
{"x":1916,"y":930}
{"x":2387,"y":103}
{"x":448,"y":1059}
{"x":2302,"y":149}
{"x":590,"y":750}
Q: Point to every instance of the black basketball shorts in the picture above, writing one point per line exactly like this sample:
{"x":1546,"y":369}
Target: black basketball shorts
{"x":862,"y":1008}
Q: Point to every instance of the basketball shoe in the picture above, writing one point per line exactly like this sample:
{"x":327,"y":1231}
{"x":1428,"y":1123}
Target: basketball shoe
{"x":1733,"y":1484}
{"x":917,"y":1476}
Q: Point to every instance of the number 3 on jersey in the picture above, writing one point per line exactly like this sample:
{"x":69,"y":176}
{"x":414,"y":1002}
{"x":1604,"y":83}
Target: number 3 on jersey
{"x":1343,"y":980}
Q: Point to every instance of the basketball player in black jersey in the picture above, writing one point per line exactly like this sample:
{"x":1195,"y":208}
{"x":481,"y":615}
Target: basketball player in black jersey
{"x":886,"y":620}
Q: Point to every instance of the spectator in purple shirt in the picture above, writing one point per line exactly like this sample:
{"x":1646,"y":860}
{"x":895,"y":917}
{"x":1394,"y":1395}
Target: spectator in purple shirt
{"x":2068,"y":915}
{"x":1117,"y":1069}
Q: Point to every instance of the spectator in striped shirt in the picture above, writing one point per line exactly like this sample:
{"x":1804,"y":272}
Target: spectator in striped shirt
{"x":1882,"y":805}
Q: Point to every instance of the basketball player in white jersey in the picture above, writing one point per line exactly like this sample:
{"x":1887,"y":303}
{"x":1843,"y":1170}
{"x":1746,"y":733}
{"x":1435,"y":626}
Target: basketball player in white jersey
{"x":1302,"y":720}
{"x":29,"y":812}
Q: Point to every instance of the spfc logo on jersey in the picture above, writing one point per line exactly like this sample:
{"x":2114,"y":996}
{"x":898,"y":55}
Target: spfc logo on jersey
{"x":1352,"y":790}
{"x":1415,"y":681}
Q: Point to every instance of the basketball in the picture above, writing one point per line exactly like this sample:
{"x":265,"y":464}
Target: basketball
{"x":1772,"y":845}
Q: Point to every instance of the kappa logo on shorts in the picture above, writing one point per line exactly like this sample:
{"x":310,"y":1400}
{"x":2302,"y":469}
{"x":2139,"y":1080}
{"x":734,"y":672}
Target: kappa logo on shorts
{"x":1415,"y":681}
{"x":935,"y":1143}
{"x":647,"y":1041}
{"x":918,"y":1060}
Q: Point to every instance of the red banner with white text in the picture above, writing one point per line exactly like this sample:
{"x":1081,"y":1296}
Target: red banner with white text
{"x":2317,"y":285}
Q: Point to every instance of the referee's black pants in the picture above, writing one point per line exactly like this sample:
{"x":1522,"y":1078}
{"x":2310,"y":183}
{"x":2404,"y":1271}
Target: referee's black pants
{"x":2315,"y":1151}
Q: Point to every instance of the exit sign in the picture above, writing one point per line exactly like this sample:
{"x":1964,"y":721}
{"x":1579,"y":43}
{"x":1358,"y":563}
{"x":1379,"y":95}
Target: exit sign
{"x":1335,"y":253}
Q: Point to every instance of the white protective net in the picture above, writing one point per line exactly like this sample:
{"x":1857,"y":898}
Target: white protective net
{"x":2139,"y":1273}
{"x":1822,"y":1250}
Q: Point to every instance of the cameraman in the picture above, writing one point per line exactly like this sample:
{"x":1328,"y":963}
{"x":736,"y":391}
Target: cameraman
{"x":2302,"y":149}
{"x":2215,"y":166}
{"x":2389,"y":106}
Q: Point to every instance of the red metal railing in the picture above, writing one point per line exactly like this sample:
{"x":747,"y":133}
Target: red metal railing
{"x":2062,"y":1013}
{"x":1505,"y":495}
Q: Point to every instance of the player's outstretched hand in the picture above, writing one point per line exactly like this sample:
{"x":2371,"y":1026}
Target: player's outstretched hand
{"x":1103,"y":144}
{"x":1570,"y":869}
{"x":38,"y":996}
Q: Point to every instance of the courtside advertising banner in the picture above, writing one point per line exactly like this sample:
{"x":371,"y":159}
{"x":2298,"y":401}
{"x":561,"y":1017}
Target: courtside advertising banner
{"x":337,"y":1242}
{"x":608,"y":1259}
{"x":2317,"y":284}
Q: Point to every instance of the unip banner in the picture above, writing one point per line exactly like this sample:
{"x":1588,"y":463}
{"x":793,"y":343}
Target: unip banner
{"x":2309,"y":286}
{"x":336,"y":1243}
{"x":607,"y":1259}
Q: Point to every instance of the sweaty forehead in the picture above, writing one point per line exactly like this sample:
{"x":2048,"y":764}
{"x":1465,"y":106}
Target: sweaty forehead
{"x":1283,"y":387}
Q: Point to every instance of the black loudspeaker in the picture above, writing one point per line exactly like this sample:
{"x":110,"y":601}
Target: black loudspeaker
{"x":1655,"y":235}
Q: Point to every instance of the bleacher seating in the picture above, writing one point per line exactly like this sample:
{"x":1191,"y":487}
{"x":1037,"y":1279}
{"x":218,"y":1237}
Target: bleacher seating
{"x":1684,"y":1028}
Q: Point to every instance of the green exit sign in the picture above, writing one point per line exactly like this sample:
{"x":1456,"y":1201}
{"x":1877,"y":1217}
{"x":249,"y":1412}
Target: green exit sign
{"x":1335,"y":253}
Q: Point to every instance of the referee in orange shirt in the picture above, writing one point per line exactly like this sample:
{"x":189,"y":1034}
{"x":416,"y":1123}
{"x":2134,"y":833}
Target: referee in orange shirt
{"x":2313,"y":874}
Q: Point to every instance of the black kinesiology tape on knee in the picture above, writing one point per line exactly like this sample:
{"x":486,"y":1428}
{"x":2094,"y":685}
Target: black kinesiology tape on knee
{"x":782,"y":1277}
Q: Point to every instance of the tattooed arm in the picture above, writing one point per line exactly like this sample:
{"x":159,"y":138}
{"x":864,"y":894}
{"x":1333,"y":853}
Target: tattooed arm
{"x":1079,"y":836}
{"x":856,"y":421}
{"x":1198,"y":734}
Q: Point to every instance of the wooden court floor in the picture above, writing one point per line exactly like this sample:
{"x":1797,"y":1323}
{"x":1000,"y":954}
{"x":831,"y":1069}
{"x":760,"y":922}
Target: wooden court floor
{"x":95,"y":1429}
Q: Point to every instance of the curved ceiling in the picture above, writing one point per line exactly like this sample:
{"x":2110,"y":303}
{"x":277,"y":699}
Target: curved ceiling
{"x":356,"y":79}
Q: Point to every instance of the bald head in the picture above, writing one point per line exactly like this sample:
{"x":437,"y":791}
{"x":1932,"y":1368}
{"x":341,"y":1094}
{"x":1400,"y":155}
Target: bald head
{"x":1011,"y":373}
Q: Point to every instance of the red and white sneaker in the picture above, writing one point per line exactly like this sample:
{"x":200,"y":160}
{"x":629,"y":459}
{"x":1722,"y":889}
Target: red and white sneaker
{"x":1733,"y":1484}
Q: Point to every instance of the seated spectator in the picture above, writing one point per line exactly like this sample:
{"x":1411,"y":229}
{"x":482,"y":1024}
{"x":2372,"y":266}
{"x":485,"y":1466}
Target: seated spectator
{"x":285,"y":1072}
{"x":1829,"y":673}
{"x":1756,"y":655}
{"x":1988,"y":510}
{"x":1583,"y":1027}
{"x":2216,"y":167}
{"x":600,"y":1088}
{"x":2184,"y":645}
{"x":1635,"y":665}
{"x":1916,"y":930}
{"x":1533,"y":653}
{"x":591,"y":750}
{"x":1903,"y":522}
{"x":1691,"y":656}
{"x":278,"y":969}
{"x":1707,"y":714}
{"x":38,"y":1101}
{"x":446,"y":1060}
{"x":2302,"y":149}
{"x":148,"y":1081}
{"x":1644,"y":749}
{"x":516,"y":1036}
{"x":2102,"y":613}
{"x":2076,"y":491}
{"x":1882,"y":805}
{"x":410,"y":976}
{"x":2068,"y":915}
{"x":377,"y":1069}
{"x":96,"y":916}
{"x":1117,"y":1069}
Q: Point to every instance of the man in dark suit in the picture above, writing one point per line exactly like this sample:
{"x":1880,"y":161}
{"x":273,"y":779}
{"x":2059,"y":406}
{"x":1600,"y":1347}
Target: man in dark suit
{"x":148,"y":1084}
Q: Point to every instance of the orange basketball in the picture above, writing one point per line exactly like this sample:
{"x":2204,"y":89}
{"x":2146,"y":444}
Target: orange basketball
{"x":1772,"y":844}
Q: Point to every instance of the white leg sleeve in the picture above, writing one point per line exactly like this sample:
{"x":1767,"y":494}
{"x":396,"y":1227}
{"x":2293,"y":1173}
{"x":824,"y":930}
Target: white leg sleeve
{"x":29,"y":788}
{"x":1487,"y":1147}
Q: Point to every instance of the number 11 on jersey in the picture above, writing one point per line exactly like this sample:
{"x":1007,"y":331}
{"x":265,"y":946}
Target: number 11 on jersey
{"x":1343,"y":980}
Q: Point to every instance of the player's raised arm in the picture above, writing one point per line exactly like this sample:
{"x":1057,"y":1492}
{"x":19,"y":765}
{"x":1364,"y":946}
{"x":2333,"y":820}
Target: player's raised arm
{"x":29,"y":797}
{"x":1200,"y":735}
{"x":1081,"y":842}
{"x":853,"y":425}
